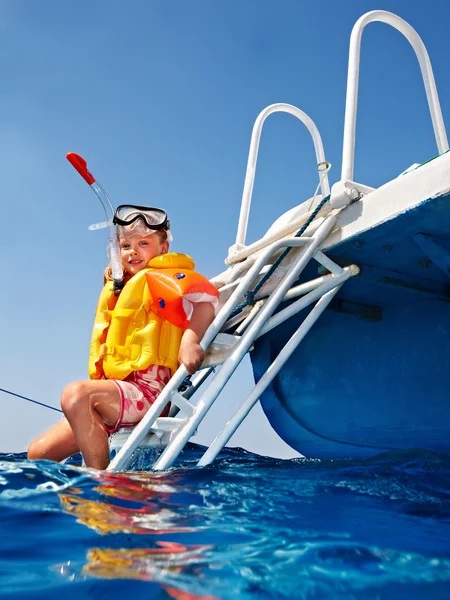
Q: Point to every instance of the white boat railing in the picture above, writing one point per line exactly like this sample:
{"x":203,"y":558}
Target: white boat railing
{"x":348,"y":152}
{"x":253,"y":157}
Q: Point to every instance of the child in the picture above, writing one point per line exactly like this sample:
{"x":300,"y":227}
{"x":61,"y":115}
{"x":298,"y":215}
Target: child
{"x":134,"y":350}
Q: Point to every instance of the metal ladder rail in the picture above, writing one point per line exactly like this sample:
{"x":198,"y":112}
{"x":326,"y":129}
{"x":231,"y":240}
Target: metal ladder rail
{"x":255,"y":394}
{"x":180,"y":439}
{"x":170,"y":391}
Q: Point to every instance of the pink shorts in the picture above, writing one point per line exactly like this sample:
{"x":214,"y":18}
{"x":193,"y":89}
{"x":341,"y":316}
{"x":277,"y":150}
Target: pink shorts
{"x":138,"y":391}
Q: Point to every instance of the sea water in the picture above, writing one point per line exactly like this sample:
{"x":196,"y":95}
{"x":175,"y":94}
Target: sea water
{"x":245,"y":527}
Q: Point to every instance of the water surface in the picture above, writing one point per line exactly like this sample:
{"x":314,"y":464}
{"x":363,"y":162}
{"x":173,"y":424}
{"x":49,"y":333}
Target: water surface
{"x":246,"y":527}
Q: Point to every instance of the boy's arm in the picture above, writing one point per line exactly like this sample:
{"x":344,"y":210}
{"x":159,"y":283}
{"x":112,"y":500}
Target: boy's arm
{"x":191,"y":353}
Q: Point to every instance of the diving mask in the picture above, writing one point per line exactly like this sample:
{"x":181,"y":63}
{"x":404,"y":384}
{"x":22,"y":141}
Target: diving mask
{"x":141,"y":220}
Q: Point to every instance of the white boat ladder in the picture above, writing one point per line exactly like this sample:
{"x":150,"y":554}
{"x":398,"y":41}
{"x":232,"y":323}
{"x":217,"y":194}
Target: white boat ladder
{"x":260,"y":320}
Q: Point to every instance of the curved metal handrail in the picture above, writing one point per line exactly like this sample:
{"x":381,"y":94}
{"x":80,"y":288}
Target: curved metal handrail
{"x":348,"y":151}
{"x":253,"y":157}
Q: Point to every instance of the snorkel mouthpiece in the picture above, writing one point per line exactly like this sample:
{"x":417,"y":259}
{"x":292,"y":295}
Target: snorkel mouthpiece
{"x":80,"y":165}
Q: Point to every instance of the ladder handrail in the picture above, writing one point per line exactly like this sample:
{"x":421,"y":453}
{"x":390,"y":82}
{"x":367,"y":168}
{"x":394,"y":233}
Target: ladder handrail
{"x":348,"y":151}
{"x":253,"y":157}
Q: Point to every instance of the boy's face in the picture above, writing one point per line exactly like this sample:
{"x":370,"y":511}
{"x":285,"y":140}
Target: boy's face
{"x":137,"y":250}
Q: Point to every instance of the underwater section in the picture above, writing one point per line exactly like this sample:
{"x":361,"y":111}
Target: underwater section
{"x":245,"y":527}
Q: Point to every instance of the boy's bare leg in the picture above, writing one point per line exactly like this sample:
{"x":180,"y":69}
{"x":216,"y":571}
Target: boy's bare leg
{"x":57,"y":443}
{"x":88,"y":405}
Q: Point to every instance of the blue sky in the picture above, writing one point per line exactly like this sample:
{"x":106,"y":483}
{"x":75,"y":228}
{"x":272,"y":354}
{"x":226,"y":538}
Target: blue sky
{"x":160,"y":97}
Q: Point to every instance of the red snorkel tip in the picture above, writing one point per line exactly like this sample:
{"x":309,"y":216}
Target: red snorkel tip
{"x":80,"y":165}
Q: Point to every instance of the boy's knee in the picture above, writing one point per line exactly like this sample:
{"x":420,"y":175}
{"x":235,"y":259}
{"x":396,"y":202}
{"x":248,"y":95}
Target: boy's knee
{"x":73,"y":395}
{"x":37,"y":449}
{"x":33,"y":451}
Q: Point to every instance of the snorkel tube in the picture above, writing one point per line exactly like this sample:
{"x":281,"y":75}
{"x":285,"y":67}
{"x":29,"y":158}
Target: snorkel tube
{"x":114,"y":248}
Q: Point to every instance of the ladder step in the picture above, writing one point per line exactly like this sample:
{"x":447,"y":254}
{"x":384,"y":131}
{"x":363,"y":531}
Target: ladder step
{"x":183,"y":404}
{"x":219,"y":349}
{"x":167,"y":424}
{"x":159,"y":435}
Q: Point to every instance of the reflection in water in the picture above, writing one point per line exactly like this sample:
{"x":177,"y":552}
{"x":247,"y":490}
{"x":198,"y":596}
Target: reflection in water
{"x":143,"y":515}
{"x":143,"y":493}
{"x":109,"y":518}
{"x":149,"y":564}
{"x":138,"y":486}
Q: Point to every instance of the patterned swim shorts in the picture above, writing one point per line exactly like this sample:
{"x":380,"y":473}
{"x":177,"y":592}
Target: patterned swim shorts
{"x":138,"y":391}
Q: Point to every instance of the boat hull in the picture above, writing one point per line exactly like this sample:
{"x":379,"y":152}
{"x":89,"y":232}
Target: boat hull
{"x":373,"y":372}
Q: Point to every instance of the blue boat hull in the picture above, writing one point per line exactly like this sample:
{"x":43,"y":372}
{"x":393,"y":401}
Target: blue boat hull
{"x":373,"y":373}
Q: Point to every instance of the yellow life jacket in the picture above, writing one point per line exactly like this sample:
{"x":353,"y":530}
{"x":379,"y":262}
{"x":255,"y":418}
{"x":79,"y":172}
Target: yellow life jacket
{"x":129,"y":334}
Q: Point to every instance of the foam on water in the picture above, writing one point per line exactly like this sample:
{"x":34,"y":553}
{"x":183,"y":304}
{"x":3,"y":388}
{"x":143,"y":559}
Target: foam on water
{"x":247,"y":527}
